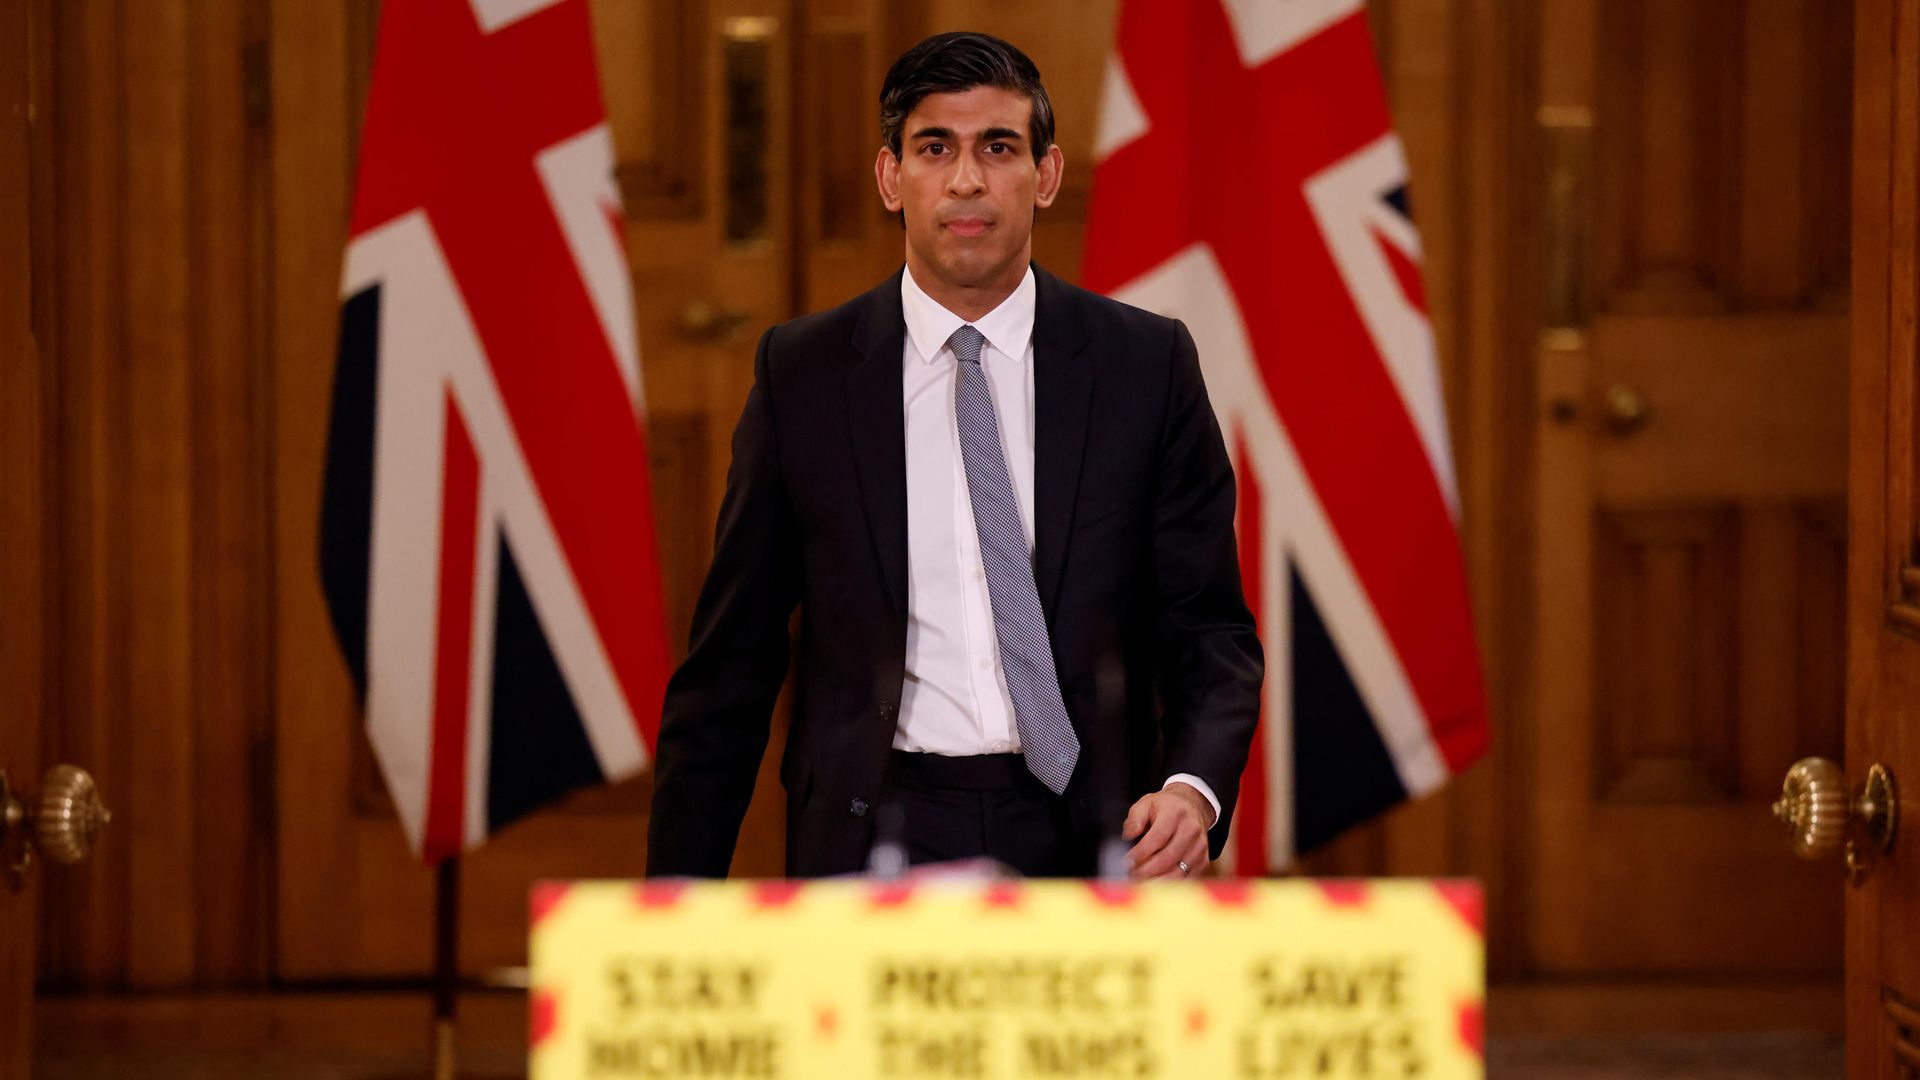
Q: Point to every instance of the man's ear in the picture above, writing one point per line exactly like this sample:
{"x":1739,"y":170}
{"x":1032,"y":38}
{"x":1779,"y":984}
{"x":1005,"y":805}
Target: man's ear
{"x":1053,"y":168}
{"x":886,"y":175}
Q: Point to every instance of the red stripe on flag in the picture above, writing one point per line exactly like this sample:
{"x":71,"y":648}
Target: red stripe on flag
{"x":453,"y":649}
{"x":1250,"y":826}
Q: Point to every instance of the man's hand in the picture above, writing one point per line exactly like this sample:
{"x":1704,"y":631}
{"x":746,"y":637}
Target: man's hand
{"x":1170,"y":827}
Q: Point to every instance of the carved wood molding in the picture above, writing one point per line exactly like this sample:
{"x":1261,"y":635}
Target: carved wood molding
{"x":1904,"y":612}
{"x":1664,"y":645}
{"x":668,"y":184}
{"x":843,"y":203}
{"x":1715,"y":160}
{"x":1903,"y":1033}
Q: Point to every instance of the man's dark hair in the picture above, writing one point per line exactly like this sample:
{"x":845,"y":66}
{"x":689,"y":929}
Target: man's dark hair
{"x":955,"y":62}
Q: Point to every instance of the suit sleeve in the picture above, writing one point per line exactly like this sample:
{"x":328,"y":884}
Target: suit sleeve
{"x":719,"y":703}
{"x":1211,"y":662}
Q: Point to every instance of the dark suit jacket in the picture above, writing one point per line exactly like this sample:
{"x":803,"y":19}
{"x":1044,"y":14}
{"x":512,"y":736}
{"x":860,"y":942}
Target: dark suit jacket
{"x":1135,"y":560}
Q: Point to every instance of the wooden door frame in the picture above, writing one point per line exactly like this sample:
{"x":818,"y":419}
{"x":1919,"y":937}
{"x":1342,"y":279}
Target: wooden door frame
{"x":1882,"y":486}
{"x":24,"y":527}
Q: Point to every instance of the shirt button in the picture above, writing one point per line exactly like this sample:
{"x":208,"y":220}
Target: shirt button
{"x":985,"y":663}
{"x":979,"y":575}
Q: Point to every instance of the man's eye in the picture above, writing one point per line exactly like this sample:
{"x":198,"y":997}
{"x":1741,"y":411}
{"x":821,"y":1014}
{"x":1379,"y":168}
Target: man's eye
{"x":998,"y":147}
{"x":935,"y":149}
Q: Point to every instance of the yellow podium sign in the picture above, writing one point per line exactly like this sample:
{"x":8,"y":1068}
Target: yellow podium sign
{"x":1243,"y":979}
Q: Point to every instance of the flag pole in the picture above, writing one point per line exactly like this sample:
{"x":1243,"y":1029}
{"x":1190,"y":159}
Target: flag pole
{"x":446,"y":964}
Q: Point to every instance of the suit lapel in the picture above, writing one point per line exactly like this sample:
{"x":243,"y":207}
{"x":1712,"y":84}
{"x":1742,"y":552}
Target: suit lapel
{"x":877,"y":422}
{"x":1063,"y":397}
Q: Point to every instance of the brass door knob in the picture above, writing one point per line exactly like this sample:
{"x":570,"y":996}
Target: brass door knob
{"x":61,"y":824}
{"x":1824,"y":817}
{"x":1626,"y":410}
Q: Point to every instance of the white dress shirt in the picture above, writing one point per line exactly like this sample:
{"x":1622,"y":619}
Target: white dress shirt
{"x":955,"y":700}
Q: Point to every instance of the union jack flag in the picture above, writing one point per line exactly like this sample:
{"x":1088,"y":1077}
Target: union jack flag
{"x":1249,"y":182}
{"x":487,"y":542}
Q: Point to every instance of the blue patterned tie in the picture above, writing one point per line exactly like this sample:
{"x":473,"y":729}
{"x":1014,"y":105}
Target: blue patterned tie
{"x":1046,"y":735}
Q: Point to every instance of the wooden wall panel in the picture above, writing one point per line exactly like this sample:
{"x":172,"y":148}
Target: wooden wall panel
{"x":848,"y":241}
{"x":156,"y":426}
{"x":1665,"y":624}
{"x":86,"y":941}
{"x":1819,"y":651}
{"x":1716,"y":637}
{"x":1720,"y":158}
{"x":318,"y":97}
{"x":1663,"y":86}
{"x":229,"y":386}
{"x":655,"y":58}
{"x":156,"y":314}
{"x":1782,"y":45}
{"x":840,"y":187}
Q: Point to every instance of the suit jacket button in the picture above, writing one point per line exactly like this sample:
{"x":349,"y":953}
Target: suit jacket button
{"x":886,"y":711}
{"x":858,"y":808}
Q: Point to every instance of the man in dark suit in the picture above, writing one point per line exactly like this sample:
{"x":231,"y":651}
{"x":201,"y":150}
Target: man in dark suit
{"x":1005,"y":511}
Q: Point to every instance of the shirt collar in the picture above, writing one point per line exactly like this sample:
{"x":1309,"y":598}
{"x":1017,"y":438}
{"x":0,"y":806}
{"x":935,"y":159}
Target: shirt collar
{"x":1008,"y":328}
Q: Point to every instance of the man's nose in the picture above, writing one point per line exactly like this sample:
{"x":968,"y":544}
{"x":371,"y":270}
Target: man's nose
{"x":968,"y":178}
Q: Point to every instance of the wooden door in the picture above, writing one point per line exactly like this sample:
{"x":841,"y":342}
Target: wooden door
{"x":1691,"y":435}
{"x":1883,"y":685}
{"x":20,"y":525}
{"x":703,"y":97}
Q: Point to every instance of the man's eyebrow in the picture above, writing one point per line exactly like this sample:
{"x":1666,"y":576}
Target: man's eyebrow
{"x":995,"y":133}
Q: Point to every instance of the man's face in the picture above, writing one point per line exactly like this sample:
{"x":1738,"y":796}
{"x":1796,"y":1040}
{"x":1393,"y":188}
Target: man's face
{"x":968,"y":184}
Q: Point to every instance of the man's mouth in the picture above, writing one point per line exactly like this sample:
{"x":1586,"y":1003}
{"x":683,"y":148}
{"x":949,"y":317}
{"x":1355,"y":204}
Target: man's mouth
{"x":968,"y":226}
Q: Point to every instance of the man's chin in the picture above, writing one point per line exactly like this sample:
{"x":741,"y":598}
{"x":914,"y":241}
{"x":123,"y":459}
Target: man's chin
{"x":971,"y":271}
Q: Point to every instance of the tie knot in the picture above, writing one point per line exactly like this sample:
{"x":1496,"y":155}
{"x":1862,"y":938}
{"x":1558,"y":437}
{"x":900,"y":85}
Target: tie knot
{"x":966,"y":343}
